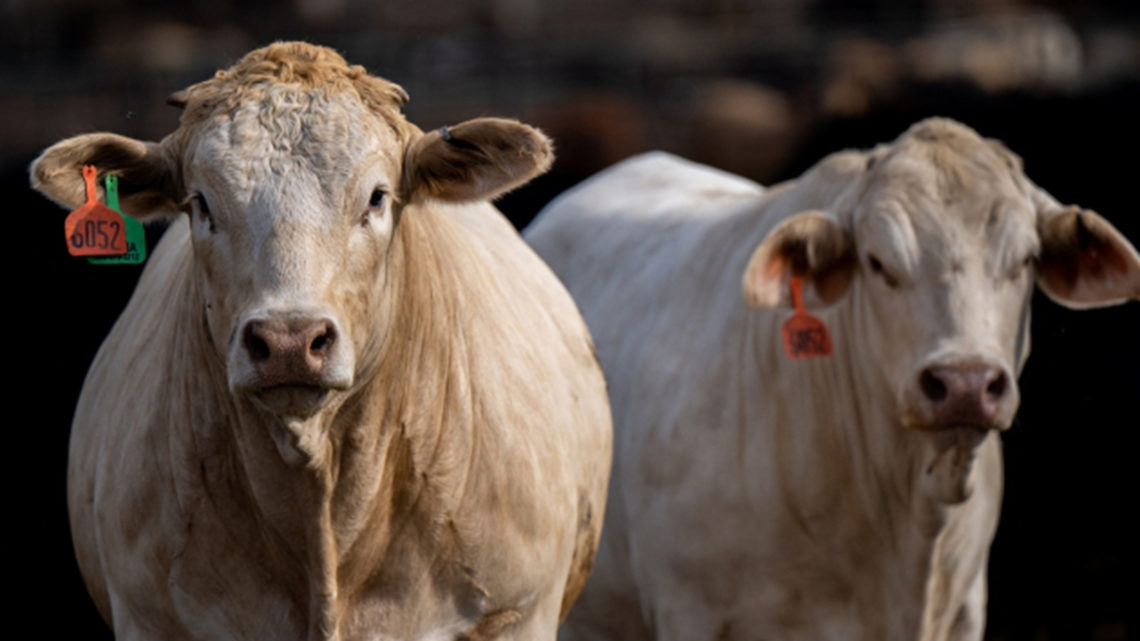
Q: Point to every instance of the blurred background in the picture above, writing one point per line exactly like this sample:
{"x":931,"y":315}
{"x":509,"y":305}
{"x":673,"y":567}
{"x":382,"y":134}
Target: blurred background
{"x":762,"y":88}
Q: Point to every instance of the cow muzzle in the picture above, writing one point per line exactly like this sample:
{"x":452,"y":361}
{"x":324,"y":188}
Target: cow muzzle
{"x":975,"y":394}
{"x":957,"y":403}
{"x":289,"y":362}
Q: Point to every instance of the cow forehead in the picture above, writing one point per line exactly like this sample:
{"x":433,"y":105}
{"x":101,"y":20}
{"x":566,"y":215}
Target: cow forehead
{"x":964,"y":196}
{"x":289,"y":139}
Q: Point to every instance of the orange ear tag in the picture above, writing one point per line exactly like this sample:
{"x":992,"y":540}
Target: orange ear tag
{"x":94,"y":229}
{"x":805,"y":335}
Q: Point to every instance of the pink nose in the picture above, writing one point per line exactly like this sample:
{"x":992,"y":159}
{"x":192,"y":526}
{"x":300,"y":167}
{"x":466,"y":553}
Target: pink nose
{"x":967,"y":394}
{"x":289,"y":351}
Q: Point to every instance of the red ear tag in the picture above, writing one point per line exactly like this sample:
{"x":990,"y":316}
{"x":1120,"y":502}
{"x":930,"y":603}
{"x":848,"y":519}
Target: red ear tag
{"x":94,"y":229}
{"x":805,"y":335}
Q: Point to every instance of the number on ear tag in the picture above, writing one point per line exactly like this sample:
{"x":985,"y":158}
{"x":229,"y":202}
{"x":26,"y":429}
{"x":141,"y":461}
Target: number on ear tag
{"x":805,"y":336}
{"x":94,"y":229}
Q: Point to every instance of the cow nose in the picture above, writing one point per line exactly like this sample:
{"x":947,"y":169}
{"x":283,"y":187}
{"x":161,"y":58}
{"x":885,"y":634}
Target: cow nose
{"x":289,"y":351}
{"x":975,"y":394}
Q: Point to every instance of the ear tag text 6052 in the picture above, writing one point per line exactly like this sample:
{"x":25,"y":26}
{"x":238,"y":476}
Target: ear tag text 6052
{"x":136,"y":235}
{"x":805,"y":335}
{"x":94,"y":229}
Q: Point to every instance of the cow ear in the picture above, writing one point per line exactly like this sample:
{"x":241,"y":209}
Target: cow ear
{"x":811,"y":245}
{"x":474,"y":160}
{"x":147,"y":178}
{"x":1085,"y":262}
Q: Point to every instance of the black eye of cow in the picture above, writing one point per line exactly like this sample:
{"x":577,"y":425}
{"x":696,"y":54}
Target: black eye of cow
{"x":204,"y":210}
{"x":377,"y":198}
{"x":876,"y":266}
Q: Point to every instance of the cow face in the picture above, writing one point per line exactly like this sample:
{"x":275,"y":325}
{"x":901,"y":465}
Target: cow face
{"x":290,"y":203}
{"x":294,"y":171}
{"x":932,"y":260}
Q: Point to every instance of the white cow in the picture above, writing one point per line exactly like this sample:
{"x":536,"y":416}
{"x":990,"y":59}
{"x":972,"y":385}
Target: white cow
{"x":346,"y":401}
{"x":851,"y":496}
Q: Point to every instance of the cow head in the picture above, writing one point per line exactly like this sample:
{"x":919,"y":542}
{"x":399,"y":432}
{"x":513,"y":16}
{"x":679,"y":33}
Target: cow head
{"x":294,"y":170}
{"x":933,"y":251}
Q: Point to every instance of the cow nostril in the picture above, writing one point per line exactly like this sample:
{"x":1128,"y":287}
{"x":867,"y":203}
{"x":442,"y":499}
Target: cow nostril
{"x":932,"y":386}
{"x":996,"y":388}
{"x":256,"y":346}
{"x":323,"y":341}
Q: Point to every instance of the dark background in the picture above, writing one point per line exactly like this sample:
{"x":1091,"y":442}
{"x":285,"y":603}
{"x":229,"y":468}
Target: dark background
{"x":761,"y":88}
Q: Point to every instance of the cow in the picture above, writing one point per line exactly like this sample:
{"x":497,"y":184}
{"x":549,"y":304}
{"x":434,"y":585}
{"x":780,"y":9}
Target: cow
{"x":345,"y":401}
{"x":844,"y":496}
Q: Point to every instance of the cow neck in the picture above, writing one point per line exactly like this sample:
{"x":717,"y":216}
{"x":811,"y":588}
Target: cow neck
{"x":335,"y":519}
{"x":306,"y":522}
{"x":926,"y":547}
{"x":847,"y":475}
{"x":398,"y":446}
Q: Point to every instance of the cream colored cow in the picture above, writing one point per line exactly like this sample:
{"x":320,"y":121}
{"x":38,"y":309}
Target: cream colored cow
{"x":346,"y":401}
{"x":852,"y":496}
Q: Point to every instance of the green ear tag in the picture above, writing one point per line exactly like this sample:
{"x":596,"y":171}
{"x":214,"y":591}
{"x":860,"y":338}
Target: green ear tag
{"x":136,"y":235}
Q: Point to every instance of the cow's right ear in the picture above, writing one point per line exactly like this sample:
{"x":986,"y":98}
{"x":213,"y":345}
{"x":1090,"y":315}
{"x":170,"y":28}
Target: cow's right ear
{"x":146,"y":171}
{"x":1085,"y":261}
{"x":811,"y":245}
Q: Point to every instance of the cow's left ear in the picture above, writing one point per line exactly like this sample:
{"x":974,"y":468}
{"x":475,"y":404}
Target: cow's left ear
{"x":811,"y":245}
{"x":475,"y":160}
{"x":1085,"y":262}
{"x":147,"y":171}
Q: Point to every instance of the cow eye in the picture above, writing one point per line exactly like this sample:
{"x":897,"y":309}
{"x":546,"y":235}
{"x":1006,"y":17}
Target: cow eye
{"x":203,"y":210}
{"x":876,"y":266}
{"x":376,"y":199}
